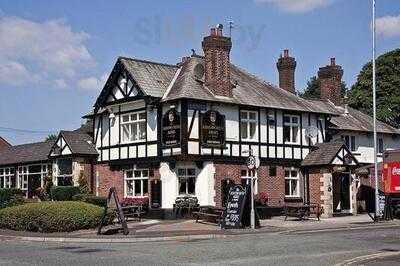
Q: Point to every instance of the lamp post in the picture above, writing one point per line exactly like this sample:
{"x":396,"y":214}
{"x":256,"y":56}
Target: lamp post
{"x":374,"y":111}
{"x":252,"y":164}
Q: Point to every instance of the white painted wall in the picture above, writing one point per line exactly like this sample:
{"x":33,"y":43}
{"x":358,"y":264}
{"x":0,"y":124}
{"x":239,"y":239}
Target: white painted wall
{"x":365,"y":145}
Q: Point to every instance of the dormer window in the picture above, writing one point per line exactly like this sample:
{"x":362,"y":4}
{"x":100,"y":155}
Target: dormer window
{"x":133,"y":126}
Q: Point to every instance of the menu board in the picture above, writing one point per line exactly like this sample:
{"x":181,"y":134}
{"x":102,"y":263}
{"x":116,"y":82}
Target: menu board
{"x":171,"y":129}
{"x":234,"y":207}
{"x":213,"y":129}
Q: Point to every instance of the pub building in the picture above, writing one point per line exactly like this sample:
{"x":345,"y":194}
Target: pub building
{"x":163,"y":131}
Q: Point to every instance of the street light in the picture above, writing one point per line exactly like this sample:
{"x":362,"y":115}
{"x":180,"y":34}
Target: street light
{"x":374,"y":111}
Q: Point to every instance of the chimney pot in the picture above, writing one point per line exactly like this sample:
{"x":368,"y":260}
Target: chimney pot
{"x":333,"y":61}
{"x":213,"y":32}
{"x":286,"y":53}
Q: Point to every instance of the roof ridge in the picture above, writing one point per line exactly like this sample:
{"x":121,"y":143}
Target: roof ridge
{"x":147,"y":61}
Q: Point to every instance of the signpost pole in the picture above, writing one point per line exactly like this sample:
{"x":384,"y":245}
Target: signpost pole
{"x":252,"y":214}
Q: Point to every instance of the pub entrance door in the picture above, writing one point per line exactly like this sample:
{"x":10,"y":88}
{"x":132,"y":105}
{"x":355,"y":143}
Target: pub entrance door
{"x":341,"y":192}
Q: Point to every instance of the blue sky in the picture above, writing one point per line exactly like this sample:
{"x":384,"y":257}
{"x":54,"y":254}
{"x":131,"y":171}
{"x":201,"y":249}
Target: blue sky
{"x":55,"y":55}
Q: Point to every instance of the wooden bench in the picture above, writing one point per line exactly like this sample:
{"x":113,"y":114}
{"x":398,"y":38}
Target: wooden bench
{"x":133,"y":211}
{"x":303,"y":211}
{"x":216,"y":214}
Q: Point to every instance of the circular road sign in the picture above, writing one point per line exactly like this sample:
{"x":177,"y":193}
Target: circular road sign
{"x":251,"y":162}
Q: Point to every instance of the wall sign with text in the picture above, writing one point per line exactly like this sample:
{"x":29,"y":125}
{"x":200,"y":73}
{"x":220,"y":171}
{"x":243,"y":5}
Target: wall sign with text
{"x":171,"y":129}
{"x":213,"y":129}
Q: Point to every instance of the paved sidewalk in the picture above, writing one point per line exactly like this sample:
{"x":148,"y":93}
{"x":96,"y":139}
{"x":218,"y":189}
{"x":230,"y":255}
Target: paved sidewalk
{"x":155,"y":230}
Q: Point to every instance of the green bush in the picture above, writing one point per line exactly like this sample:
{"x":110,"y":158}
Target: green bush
{"x":10,"y":197}
{"x":95,"y":200}
{"x":63,"y":193}
{"x":60,"y":216}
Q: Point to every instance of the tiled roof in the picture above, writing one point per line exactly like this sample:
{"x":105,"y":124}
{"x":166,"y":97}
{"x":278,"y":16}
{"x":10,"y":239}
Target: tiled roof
{"x":86,"y":128}
{"x":322,"y":153}
{"x":26,"y":153}
{"x":248,"y":90}
{"x":355,"y":120}
{"x":79,"y":143}
{"x":153,"y":78}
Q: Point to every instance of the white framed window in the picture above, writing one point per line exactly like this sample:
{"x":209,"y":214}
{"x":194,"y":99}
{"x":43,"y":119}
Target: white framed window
{"x":246,"y":179}
{"x":291,"y":127}
{"x":23,"y":177}
{"x":133,"y":127}
{"x":292,"y":182}
{"x":350,"y":142}
{"x":248,"y":125}
{"x":187,"y":181}
{"x":7,"y":177}
{"x":64,"y":172}
{"x":136,"y":183}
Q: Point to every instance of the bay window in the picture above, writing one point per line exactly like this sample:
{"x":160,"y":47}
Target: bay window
{"x":187,"y":181}
{"x":291,"y":129}
{"x":248,"y":125}
{"x":133,"y":127}
{"x":136,"y":183}
{"x":292,"y":182}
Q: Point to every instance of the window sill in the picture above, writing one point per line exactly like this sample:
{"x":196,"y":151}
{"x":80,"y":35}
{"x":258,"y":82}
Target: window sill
{"x":291,"y":143}
{"x":133,"y":142}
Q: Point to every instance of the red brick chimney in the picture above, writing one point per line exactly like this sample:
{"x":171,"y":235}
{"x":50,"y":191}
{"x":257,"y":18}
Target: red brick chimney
{"x":286,"y":67}
{"x":216,"y":49}
{"x":330,"y":78}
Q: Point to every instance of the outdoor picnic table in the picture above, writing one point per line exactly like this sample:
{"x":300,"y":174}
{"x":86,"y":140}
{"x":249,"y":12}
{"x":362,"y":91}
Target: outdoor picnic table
{"x":302,"y":211}
{"x":209,"y":213}
{"x":133,"y":211}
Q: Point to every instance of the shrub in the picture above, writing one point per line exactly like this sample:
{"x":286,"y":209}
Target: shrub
{"x":95,"y":200}
{"x":261,"y":198}
{"x":61,"y":216}
{"x":63,"y":193}
{"x":10,"y":197}
{"x":135,"y":201}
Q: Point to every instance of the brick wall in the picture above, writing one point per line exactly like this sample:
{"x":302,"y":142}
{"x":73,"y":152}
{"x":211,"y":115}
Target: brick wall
{"x":273,"y":185}
{"x":315,"y":184}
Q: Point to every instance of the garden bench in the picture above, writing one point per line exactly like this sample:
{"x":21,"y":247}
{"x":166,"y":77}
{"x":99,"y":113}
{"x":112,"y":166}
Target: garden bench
{"x":133,"y":211}
{"x":303,"y":211}
{"x":213,"y":213}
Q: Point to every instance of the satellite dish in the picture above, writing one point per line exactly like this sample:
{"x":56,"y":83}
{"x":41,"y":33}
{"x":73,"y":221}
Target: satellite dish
{"x":199,"y":71}
{"x":311,"y":132}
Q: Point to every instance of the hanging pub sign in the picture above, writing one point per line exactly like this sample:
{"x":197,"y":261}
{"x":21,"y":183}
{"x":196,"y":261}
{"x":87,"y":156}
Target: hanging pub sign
{"x":213,"y":129}
{"x":171,"y":129}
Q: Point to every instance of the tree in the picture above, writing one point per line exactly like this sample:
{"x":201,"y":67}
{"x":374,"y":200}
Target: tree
{"x":387,"y":88}
{"x":313,"y":89}
{"x":51,"y":137}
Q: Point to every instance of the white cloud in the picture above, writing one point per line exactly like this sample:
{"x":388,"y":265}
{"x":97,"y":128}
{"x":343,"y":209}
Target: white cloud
{"x":14,"y":74}
{"x":296,"y":6}
{"x":388,"y":26}
{"x":92,"y":83}
{"x":49,"y":49}
{"x":60,"y":83}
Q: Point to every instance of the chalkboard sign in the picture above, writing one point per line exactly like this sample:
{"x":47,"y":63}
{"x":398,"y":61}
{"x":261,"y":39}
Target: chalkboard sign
{"x":213,"y":129}
{"x":171,"y":129}
{"x":113,"y":204}
{"x":234,"y":207}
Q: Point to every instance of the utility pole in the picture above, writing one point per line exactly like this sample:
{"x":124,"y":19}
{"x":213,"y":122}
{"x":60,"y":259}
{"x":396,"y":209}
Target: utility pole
{"x":374,"y":111}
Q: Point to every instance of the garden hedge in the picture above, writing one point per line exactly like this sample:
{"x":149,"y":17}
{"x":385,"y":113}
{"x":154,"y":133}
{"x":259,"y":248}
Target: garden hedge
{"x":56,"y":216}
{"x":63,"y":193}
{"x":10,"y":197}
{"x":96,"y":200}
